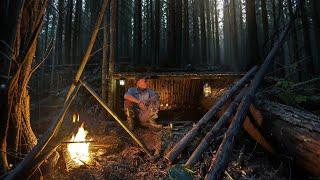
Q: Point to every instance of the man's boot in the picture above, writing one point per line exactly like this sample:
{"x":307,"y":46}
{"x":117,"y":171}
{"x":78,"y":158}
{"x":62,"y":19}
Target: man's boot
{"x":130,"y":118}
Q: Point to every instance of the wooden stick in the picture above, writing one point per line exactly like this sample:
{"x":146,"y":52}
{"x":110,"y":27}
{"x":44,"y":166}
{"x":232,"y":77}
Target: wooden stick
{"x":104,"y":105}
{"x":86,"y":56}
{"x":206,"y":141}
{"x":177,"y":149}
{"x":219,"y":164}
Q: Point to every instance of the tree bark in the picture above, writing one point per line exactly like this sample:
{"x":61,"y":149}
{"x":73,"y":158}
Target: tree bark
{"x":293,"y":131}
{"x":253,"y":45}
{"x":137,"y":31}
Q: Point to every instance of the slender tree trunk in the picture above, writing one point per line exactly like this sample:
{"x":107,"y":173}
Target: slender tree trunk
{"x":186,"y":53}
{"x":295,"y":54}
{"x":253,"y":45}
{"x":234,"y":36}
{"x":217,"y":39}
{"x":113,"y":51}
{"x":172,"y":38}
{"x":137,"y":31}
{"x":309,"y":65}
{"x":68,"y":33}
{"x":195,"y":33}
{"x":157,"y":27}
{"x":105,"y":60}
{"x":265,"y":26}
{"x":316,"y":28}
{"x":59,"y":33}
{"x":203,"y":33}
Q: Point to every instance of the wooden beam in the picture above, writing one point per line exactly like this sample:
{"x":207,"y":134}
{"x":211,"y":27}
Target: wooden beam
{"x":104,"y":105}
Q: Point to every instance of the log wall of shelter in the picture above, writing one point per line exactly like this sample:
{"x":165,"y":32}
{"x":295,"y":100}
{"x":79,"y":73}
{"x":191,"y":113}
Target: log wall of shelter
{"x":177,"y":91}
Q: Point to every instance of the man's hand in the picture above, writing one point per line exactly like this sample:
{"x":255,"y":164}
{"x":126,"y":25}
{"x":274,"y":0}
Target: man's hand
{"x":142,"y":106}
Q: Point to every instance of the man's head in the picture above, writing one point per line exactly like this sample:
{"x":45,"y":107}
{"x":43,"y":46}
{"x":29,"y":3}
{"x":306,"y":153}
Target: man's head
{"x":142,"y":82}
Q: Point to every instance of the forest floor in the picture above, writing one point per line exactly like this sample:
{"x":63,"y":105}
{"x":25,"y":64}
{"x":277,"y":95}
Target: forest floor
{"x":115,"y":156}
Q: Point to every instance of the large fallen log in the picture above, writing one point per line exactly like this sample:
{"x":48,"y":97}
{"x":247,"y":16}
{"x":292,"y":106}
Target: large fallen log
{"x":293,"y":131}
{"x":177,"y":149}
{"x":221,"y":160}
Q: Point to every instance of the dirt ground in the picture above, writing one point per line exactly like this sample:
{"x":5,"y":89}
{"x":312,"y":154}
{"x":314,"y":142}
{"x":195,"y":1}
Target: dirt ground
{"x":116,"y":156}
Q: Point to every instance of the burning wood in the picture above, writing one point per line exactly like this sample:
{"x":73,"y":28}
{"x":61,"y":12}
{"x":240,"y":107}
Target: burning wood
{"x":79,"y":148}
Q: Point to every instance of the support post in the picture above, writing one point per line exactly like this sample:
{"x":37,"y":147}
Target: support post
{"x":104,"y":105}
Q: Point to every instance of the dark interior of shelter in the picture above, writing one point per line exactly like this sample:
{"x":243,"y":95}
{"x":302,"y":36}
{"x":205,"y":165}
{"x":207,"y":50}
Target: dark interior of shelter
{"x":160,"y":89}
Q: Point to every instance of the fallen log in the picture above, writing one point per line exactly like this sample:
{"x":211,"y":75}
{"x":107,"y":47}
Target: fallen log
{"x":206,"y":141}
{"x":177,"y":149}
{"x":293,"y":131}
{"x":221,"y":160}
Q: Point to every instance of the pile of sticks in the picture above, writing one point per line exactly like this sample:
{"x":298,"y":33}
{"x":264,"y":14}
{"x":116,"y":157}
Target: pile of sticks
{"x":245,"y":97}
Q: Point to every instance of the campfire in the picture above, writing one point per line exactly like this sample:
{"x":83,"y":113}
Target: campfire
{"x":78,"y":148}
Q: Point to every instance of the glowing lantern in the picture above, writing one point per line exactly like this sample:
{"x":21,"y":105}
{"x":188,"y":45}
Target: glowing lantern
{"x":79,"y":149}
{"x":207,"y":90}
{"x":122,"y":82}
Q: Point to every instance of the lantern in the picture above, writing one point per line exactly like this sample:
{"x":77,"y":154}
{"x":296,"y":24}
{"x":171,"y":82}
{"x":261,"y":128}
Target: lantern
{"x":122,"y":82}
{"x":207,"y":90}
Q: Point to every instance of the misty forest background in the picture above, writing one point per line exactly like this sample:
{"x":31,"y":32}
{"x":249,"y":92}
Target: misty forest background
{"x":174,"y":35}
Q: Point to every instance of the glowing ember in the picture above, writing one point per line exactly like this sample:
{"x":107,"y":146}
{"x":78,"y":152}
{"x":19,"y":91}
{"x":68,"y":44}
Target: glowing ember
{"x":79,"y":152}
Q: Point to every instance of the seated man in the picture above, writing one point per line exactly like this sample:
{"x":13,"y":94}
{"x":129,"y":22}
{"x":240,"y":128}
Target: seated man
{"x":142,"y":102}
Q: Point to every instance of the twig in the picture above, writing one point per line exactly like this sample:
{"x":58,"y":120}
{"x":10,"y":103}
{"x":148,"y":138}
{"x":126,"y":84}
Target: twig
{"x":71,"y":142}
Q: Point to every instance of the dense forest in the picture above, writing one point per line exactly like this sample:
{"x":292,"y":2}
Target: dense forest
{"x":48,"y":45}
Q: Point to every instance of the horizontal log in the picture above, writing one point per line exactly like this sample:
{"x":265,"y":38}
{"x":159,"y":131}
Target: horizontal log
{"x":294,"y":132}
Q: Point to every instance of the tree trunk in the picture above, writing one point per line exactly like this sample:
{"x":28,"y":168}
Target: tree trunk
{"x":295,"y":44}
{"x":113,"y":51}
{"x":293,"y":131}
{"x":21,"y":34}
{"x":204,"y":56}
{"x":172,"y":38}
{"x":59,"y":34}
{"x":157,"y":27}
{"x":137,"y":31}
{"x":265,"y":25}
{"x":253,"y":45}
{"x":309,"y":65}
{"x":105,"y":60}
{"x":217,"y":38}
{"x":186,"y":53}
{"x":234,"y":36}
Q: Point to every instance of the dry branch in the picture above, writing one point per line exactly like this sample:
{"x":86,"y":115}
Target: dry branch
{"x":206,"y":141}
{"x":177,"y":149}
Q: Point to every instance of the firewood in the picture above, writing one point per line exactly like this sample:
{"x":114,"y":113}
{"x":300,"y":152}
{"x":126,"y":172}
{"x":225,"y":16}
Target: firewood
{"x":177,"y":149}
{"x":220,"y":123}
